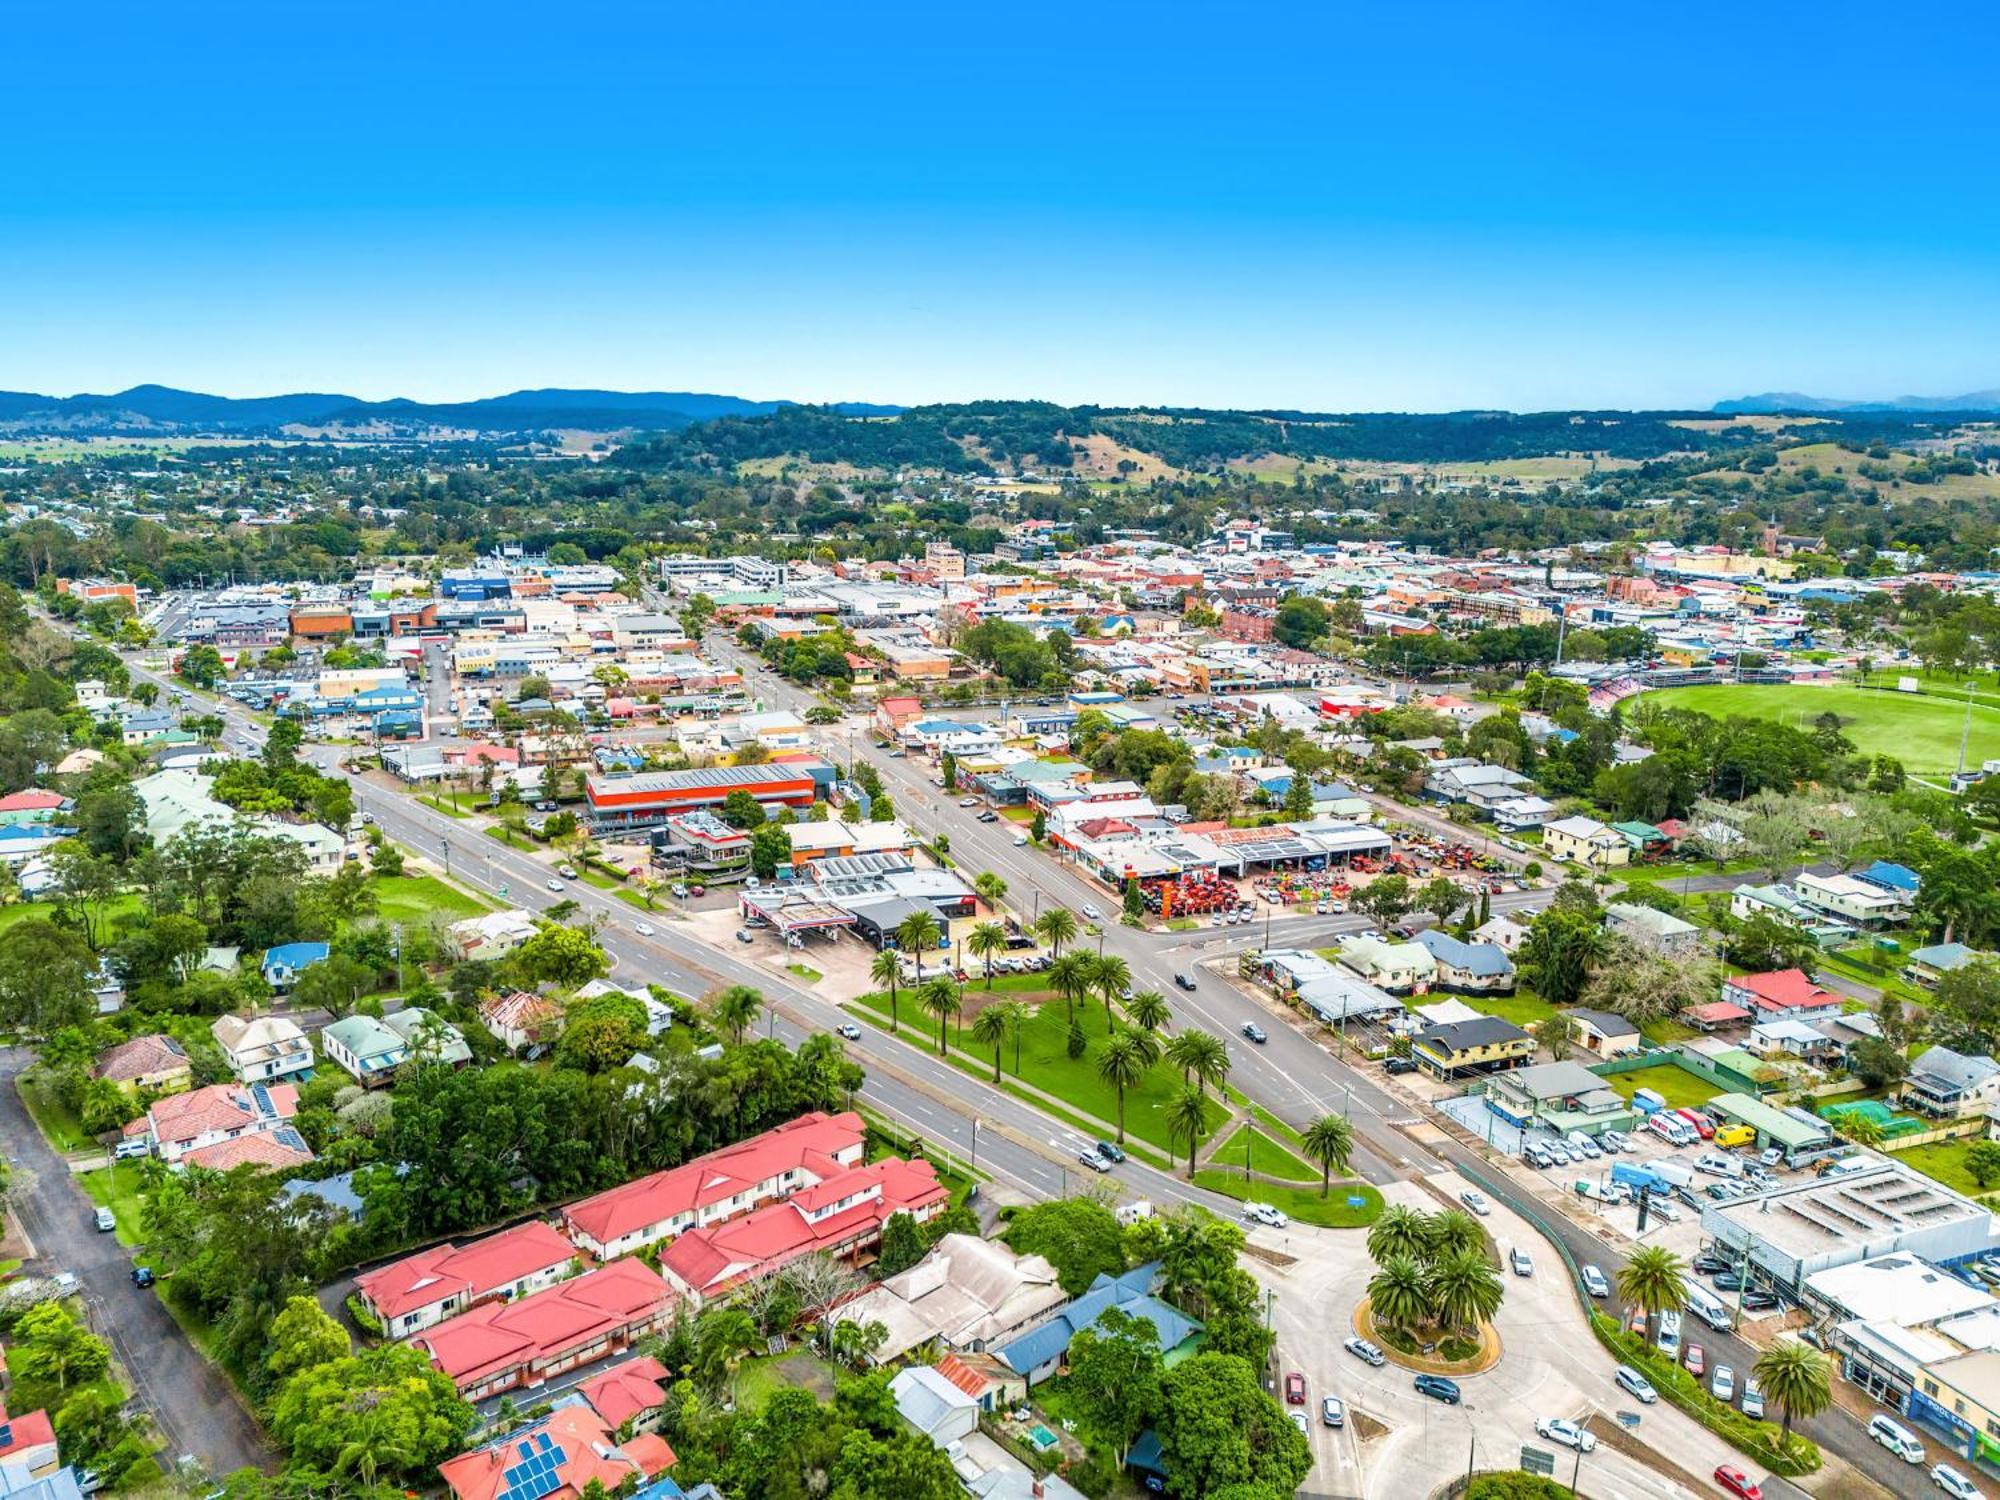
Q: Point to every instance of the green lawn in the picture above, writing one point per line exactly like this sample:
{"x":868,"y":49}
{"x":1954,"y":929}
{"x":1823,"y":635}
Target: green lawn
{"x":61,"y":1128}
{"x":412,"y":898}
{"x":1303,"y":1204}
{"x":118,"y":1188}
{"x":127,"y":905}
{"x":758,"y":1380}
{"x":1047,"y":1065}
{"x":1681,"y":1089}
{"x":1264,"y":1155}
{"x":1524,"y":1007}
{"x":1943,"y":1161}
{"x":1919,"y":730}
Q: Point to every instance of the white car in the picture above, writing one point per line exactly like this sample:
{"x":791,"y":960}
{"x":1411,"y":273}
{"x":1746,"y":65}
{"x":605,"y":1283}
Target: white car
{"x":1020,"y":840}
{"x":1362,"y":1350}
{"x":644,"y":929}
{"x":1265,"y":1213}
{"x":1722,"y":1384}
{"x":552,"y":884}
{"x":1092,"y":912}
{"x":1562,"y":1430}
{"x":1953,"y":1483}
{"x":1753,"y":1399}
{"x":1595,"y":1283}
{"x":1476,"y":1202}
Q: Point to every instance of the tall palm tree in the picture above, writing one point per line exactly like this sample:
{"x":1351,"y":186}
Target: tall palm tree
{"x":1454,"y":1232}
{"x":1401,"y":1233}
{"x":939,"y":997}
{"x":1055,"y":927}
{"x":1329,"y":1140}
{"x":989,"y":1029}
{"x":1148,"y":1010}
{"x":1111,"y":976}
{"x":1796,"y":1379}
{"x":917,"y":934}
{"x":990,"y":886}
{"x":1199,"y":1056}
{"x":988,"y":941}
{"x":736,"y":1010}
{"x":887,"y":971}
{"x":1070,"y":976}
{"x":1465,"y":1289}
{"x":1654,"y":1279}
{"x":1187,"y":1120}
{"x":1398,"y":1294}
{"x":1122,"y":1064}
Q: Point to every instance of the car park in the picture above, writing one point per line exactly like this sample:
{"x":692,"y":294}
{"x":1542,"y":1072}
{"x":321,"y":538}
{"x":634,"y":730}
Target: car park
{"x":1567,"y":1433}
{"x":1771,"y":1156}
{"x":1255,"y":1032}
{"x":1332,"y":1411}
{"x":1364,"y":1351}
{"x":1594,"y":1282}
{"x":1476,"y":1201}
{"x":1707,"y":1263}
{"x":1736,"y":1482}
{"x":1295,"y":1389}
{"x":1438,"y":1389}
{"x":1521,"y":1262}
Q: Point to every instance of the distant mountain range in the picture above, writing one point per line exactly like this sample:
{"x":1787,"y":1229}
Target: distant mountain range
{"x":163,"y":411}
{"x":1792,"y":401}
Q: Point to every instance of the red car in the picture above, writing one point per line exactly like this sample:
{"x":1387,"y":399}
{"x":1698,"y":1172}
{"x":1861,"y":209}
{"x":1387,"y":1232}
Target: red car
{"x":1295,"y":1389}
{"x":1697,"y":1359}
{"x":1736,"y":1482}
{"x":1703,"y":1126}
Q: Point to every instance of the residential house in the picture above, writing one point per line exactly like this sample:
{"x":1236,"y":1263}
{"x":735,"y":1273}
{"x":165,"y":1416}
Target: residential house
{"x":560,"y":1456}
{"x":33,"y":805}
{"x":28,"y":1444}
{"x":493,"y":934}
{"x":1039,"y":1353}
{"x":521,"y":1020}
{"x":1656,"y":931}
{"x":842,"y":1215}
{"x":1464,"y":1049}
{"x":1851,"y":899}
{"x":371,"y":1050}
{"x":422,"y":1290}
{"x":934,"y":1406}
{"x":1558,"y":1096}
{"x":1602,"y":1034}
{"x":1804,"y":1040}
{"x":720,"y":1185}
{"x":1467,"y":968}
{"x":634,"y":1391}
{"x":263,"y":1049}
{"x":1782,"y":994}
{"x":152,"y":1063}
{"x":1951,"y":1085}
{"x":969,"y":1294}
{"x":1399,"y":968}
{"x":283,"y":964}
{"x":498,"y":1346}
{"x":1503,"y":932}
{"x":180,"y":1123}
{"x":1586,"y":842}
{"x":1928,"y":965}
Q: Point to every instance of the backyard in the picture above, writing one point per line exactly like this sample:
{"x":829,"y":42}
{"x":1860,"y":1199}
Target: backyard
{"x":1944,"y":1161}
{"x":1681,"y":1089}
{"x":758,"y":1380}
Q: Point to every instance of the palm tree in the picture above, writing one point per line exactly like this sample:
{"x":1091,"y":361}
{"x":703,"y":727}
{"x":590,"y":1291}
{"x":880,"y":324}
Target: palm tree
{"x":736,"y":1010}
{"x":1398,"y":1293}
{"x":1112,"y":977}
{"x":1465,"y":1289}
{"x":1055,"y":927}
{"x":1187,"y":1120}
{"x":1400,"y":1234}
{"x":990,"y":887}
{"x":939,"y":998}
{"x":1070,"y":976}
{"x":1147,"y":1010}
{"x":1654,"y":1279}
{"x":988,"y":940}
{"x":1863,"y":1130}
{"x":1122,"y":1065}
{"x":1329,"y":1140}
{"x":989,"y":1029}
{"x":1199,"y":1056}
{"x":917,"y":934}
{"x":887,"y":971}
{"x":1796,"y":1379}
{"x":722,"y":1338}
{"x":1454,"y":1232}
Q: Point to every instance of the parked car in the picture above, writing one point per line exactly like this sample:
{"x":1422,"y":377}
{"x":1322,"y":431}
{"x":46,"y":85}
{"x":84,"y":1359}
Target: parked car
{"x":1953,"y":1483}
{"x":1771,"y":1156}
{"x":1759,"y":1301}
{"x":142,"y":1276}
{"x":1438,"y":1389}
{"x":1615,"y":1140}
{"x":1696,"y":1359}
{"x":1562,"y":1430}
{"x":1302,"y":1422}
{"x":1519,"y":1260}
{"x":1722,"y":1384}
{"x":1364,"y":1351}
{"x":968,"y":802}
{"x":1476,"y":1201}
{"x":1332,"y":1412}
{"x":1753,"y":1399}
{"x":105,"y":1220}
{"x":1295,"y":1389}
{"x":743,"y":935}
{"x":1737,"y":1483}
{"x":1594,"y":1282}
{"x":1400,"y":1065}
{"x":1709,"y":1264}
{"x":1255,"y":1032}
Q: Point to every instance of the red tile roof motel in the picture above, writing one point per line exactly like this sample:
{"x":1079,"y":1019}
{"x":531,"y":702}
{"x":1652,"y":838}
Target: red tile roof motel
{"x":501,"y":1344}
{"x":472,"y":1273}
{"x":625,"y":1391}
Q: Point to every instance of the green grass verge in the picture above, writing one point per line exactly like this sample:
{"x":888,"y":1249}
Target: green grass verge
{"x":1763,"y":1441}
{"x":59,"y":1127}
{"x":440,"y":804}
{"x":599,"y":879}
{"x":1264,"y":1154}
{"x":412,"y":898}
{"x":1047,"y":1066}
{"x":806,"y":972}
{"x":1918,"y":729}
{"x":119,"y":1188}
{"x":1941,"y":1161}
{"x":1278,"y":1128}
{"x":1303,"y":1204}
{"x":1681,"y":1089}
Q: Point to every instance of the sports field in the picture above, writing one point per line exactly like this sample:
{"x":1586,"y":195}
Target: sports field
{"x":1919,"y":730}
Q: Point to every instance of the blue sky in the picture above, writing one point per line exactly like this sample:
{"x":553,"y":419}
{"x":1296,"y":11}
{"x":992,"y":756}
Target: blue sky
{"x":1324,"y":206}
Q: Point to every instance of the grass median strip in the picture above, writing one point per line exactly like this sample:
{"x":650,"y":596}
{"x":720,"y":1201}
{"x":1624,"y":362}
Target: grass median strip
{"x":1334,"y":1211}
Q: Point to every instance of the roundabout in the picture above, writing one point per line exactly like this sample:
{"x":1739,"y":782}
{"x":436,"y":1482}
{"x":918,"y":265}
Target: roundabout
{"x":1485,"y":1357}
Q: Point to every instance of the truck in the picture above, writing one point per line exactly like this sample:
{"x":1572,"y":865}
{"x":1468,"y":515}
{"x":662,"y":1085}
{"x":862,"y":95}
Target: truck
{"x":1648,"y":1102}
{"x":1640,"y":1178}
{"x":1674,"y":1174}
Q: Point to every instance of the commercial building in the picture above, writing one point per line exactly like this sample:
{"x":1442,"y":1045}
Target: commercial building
{"x":1557,"y":1096}
{"x":651,"y":797}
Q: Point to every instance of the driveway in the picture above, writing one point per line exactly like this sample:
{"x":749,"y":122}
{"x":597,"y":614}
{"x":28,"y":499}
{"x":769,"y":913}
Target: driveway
{"x":191,"y":1401}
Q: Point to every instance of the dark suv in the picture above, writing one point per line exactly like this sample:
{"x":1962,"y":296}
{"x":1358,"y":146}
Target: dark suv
{"x":1438,"y":1389}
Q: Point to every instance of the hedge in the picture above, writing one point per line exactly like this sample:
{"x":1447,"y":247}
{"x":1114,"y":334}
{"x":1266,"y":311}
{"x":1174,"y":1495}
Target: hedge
{"x":1763,"y":1441}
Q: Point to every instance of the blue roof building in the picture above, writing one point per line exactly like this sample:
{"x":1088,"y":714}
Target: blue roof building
{"x":1475,"y":967}
{"x":283,"y":964}
{"x":1891,"y":877}
{"x":1038,"y":1353}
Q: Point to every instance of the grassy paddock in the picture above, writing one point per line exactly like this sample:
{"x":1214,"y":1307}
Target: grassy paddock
{"x":413,"y":898}
{"x":1918,"y":729}
{"x":1265,"y":1155}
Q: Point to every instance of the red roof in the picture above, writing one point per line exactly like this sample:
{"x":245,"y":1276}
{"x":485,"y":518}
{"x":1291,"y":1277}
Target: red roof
{"x":807,"y":1145}
{"x":624,"y":1391}
{"x":479,"y":1270}
{"x":723,"y":1255}
{"x":1716,"y":1012}
{"x":32,"y":1430}
{"x":141,"y":1057}
{"x":263,"y":1149}
{"x":220,"y":1106}
{"x":32,"y":800}
{"x":498,"y":1336}
{"x":1783,"y":989}
{"x":962,"y":1375}
{"x":589,"y":1448}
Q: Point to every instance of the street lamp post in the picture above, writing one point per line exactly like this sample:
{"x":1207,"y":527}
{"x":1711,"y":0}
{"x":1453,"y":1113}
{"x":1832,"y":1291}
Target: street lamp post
{"x":444,"y":847}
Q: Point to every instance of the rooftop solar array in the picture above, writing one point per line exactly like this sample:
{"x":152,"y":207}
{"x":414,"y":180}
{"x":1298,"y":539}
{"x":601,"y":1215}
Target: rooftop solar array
{"x":536,"y":1470}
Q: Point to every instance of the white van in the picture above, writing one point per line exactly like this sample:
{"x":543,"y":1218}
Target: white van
{"x":1897,"y":1438}
{"x":1718,"y":1164}
{"x":1705,"y":1305}
{"x":1670,"y":1334}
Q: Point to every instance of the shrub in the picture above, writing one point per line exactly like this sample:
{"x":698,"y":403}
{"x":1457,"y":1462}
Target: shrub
{"x":1515,"y":1484}
{"x":1762,"y":1441}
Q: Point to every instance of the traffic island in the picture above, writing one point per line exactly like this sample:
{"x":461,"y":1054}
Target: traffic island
{"x":1405,"y":1352}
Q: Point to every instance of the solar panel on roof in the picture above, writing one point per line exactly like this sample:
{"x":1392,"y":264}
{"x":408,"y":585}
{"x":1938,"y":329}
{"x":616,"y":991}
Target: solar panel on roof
{"x":263,"y":1097}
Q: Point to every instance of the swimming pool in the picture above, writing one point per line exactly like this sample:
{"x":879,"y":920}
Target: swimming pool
{"x":1041,"y":1438}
